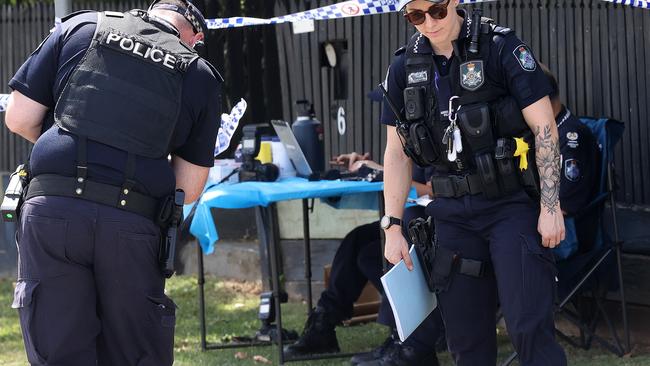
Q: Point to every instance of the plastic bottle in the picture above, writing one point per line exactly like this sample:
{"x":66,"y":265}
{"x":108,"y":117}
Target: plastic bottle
{"x":281,"y":159}
{"x":309,"y":134}
{"x":265,"y":155}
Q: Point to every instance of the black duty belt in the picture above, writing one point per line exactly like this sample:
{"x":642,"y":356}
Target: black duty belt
{"x":106,"y":194}
{"x":456,"y":185}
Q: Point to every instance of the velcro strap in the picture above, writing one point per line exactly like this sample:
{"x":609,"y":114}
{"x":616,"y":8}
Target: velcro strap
{"x":106,"y":194}
{"x":472,"y":267}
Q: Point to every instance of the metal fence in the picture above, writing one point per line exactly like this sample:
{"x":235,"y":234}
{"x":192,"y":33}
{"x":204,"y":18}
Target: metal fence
{"x":599,"y":51}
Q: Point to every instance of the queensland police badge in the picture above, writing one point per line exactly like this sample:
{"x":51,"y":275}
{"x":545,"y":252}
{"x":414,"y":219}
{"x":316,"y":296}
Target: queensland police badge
{"x":571,"y":170}
{"x":525,"y":57}
{"x":471,"y":75}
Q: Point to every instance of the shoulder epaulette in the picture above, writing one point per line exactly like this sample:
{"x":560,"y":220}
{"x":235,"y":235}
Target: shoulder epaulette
{"x":501,"y":30}
{"x":214,"y":70}
{"x":72,"y":15}
{"x":400,"y":50}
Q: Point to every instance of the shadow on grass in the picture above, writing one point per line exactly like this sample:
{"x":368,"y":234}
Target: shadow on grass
{"x":232,"y":311}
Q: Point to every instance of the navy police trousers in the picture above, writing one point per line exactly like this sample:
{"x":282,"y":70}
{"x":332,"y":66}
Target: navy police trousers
{"x":89,"y":288}
{"x":503,"y":231}
{"x":358,"y":260}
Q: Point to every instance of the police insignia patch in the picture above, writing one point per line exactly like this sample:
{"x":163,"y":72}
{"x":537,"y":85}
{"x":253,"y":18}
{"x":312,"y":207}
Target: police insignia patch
{"x":525,"y":57}
{"x":418,"y":77}
{"x":572,"y":170}
{"x":471,"y":75}
{"x":572,"y":135}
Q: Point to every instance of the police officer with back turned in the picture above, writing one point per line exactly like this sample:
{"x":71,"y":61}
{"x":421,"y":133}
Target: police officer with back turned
{"x":469,"y":99}
{"x":107,"y":97}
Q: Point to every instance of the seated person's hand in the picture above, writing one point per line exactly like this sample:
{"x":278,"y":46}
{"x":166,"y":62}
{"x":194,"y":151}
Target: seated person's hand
{"x":359,"y":163}
{"x":349,"y":159}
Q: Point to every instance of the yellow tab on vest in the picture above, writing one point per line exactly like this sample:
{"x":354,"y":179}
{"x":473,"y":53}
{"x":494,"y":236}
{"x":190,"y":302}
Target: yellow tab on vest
{"x":522,"y":152}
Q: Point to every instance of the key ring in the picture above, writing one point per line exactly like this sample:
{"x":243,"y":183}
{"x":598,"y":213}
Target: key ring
{"x":453,"y":112}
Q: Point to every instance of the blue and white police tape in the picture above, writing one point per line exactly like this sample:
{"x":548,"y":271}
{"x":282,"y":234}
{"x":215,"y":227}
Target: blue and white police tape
{"x":347,"y":9}
{"x":229,"y":123}
{"x":4,"y":99}
{"x":645,"y":4}
{"x":344,"y":9}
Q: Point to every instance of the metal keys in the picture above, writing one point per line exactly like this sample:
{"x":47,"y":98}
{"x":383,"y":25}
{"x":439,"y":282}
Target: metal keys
{"x":452,"y":136}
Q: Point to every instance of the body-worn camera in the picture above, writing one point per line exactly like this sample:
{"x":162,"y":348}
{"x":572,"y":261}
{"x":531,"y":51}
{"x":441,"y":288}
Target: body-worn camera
{"x":413,"y":102}
{"x":13,"y":197}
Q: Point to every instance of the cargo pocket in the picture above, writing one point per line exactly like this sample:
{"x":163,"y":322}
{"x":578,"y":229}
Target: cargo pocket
{"x":163,"y":317}
{"x":25,"y":302}
{"x":538,"y":274}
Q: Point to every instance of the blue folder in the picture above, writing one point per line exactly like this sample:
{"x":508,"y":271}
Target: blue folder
{"x":409,"y":296}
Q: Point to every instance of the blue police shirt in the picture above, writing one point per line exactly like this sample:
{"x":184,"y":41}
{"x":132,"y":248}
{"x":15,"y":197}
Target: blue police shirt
{"x":422,"y":175}
{"x":524,"y":81}
{"x":580,"y":162}
{"x":45,"y":73}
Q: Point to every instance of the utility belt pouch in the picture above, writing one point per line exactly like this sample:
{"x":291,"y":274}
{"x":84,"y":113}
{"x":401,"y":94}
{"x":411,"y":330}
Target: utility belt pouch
{"x":487,"y":173}
{"x":423,"y":143}
{"x":503,"y":153}
{"x":444,"y":262}
{"x":419,"y":231}
{"x":475,"y":123}
{"x":530,"y":180}
{"x":409,"y":148}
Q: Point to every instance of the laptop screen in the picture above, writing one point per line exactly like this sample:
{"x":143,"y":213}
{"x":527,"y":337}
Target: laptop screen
{"x":294,"y":152}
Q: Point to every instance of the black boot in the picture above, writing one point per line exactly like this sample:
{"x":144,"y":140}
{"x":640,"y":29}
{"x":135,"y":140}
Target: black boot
{"x":401,"y":355}
{"x":375,"y":354}
{"x":318,"y":336}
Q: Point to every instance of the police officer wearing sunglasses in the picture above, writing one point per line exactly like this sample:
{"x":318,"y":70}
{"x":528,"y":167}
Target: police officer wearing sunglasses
{"x":470,"y":100}
{"x":106,"y":98}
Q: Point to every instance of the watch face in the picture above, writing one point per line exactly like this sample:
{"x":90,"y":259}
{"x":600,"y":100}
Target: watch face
{"x":384,"y":222}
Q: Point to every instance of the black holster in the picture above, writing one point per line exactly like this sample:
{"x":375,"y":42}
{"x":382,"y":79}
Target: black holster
{"x":420,"y":233}
{"x":169,"y":231}
{"x":439,"y":263}
{"x":443,"y":265}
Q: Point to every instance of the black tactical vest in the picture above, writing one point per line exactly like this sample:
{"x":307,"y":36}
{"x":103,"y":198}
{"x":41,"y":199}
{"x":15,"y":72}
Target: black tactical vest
{"x":481,"y":95}
{"x":126,"y":91}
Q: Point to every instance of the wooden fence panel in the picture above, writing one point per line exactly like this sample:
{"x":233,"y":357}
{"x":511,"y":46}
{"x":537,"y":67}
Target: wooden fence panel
{"x":600,"y":53}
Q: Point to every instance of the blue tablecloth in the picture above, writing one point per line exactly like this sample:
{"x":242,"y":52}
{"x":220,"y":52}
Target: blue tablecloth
{"x":354,"y":194}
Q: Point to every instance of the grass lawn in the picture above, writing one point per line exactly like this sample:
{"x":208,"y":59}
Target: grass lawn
{"x":233,"y":310}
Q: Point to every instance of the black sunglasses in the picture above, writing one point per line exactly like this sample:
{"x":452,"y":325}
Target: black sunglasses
{"x":436,"y":11}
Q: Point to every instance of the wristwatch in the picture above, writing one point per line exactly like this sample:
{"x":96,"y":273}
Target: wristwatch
{"x":388,"y":221}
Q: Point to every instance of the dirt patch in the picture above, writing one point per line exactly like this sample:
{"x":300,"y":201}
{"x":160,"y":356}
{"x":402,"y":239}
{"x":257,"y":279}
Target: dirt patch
{"x":242,"y":287}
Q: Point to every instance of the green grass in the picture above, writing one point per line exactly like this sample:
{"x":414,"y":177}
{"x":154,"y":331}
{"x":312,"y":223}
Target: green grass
{"x":232,"y":310}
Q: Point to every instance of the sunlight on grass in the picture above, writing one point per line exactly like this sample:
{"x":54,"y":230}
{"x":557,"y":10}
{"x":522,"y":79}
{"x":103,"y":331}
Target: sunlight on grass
{"x":231,"y":309}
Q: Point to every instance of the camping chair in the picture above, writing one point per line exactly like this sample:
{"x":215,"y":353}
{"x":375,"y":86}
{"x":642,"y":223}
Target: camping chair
{"x":585,"y":278}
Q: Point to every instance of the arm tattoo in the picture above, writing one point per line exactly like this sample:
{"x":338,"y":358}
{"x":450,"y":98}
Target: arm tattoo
{"x":547,"y":156}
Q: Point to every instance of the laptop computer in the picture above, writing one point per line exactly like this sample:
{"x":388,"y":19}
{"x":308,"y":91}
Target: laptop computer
{"x":294,"y":152}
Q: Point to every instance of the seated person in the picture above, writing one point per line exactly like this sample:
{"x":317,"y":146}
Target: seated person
{"x":358,"y":260}
{"x":580,"y":159}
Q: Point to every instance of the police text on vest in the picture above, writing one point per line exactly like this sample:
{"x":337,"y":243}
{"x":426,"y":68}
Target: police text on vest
{"x":140,"y":49}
